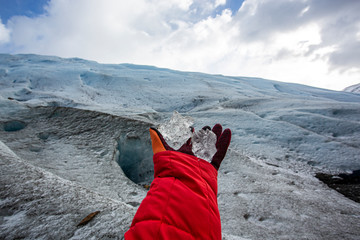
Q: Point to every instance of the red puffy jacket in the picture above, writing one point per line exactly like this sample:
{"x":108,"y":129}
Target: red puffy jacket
{"x":181,"y":202}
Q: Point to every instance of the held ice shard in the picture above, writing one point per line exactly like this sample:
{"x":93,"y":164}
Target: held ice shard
{"x":204,"y":144}
{"x":177,"y":131}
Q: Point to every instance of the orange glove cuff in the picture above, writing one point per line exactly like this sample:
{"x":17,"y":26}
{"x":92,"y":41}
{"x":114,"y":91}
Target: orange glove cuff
{"x":156,"y":142}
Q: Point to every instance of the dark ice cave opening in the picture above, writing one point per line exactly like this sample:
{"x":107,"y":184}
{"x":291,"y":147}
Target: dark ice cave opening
{"x":13,"y":126}
{"x":135,"y":157}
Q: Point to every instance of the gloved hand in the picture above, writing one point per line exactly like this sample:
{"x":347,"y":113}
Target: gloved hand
{"x":223,"y":141}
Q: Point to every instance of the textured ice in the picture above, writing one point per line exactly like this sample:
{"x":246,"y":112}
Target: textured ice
{"x":177,"y":130}
{"x":63,"y":164}
{"x":203,"y":144}
{"x":353,"y":88}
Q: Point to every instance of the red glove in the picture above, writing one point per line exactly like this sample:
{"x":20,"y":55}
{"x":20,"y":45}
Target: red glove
{"x":222,"y":144}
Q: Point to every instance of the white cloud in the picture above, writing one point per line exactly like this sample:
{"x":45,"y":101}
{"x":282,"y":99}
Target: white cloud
{"x":285,"y":40}
{"x":219,"y":3}
{"x":166,"y":4}
{"x":199,"y":45}
{"x":315,"y":42}
{"x":4,"y":34}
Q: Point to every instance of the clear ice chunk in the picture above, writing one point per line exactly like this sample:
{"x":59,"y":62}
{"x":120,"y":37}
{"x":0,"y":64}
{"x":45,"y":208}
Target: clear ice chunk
{"x":204,"y":144}
{"x":177,"y":130}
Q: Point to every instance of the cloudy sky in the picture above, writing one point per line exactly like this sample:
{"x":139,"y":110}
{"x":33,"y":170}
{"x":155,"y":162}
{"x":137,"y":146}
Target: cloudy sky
{"x":313,"y":42}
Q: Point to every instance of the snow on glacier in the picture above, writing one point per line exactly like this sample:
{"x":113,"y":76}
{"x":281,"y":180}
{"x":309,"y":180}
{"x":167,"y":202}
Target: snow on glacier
{"x":354,"y":88}
{"x":269,"y":118}
{"x":85,"y":147}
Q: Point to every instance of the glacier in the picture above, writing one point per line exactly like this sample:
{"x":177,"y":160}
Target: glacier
{"x":74,"y":140}
{"x":354,"y":88}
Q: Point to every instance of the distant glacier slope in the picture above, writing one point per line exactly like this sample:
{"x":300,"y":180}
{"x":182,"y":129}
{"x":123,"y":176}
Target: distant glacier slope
{"x":67,"y":124}
{"x":281,"y":122}
{"x":353,"y":88}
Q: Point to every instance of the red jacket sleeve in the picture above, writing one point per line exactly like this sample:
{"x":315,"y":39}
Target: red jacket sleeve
{"x":181,"y":202}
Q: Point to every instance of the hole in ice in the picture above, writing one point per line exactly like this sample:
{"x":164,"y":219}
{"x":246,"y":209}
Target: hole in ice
{"x":247,"y":216}
{"x":44,"y":135}
{"x":12,"y":126}
{"x":5,"y":212}
{"x":135,"y":157}
{"x":134,"y":204}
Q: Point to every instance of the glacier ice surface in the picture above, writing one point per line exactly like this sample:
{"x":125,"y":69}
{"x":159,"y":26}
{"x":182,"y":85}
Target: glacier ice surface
{"x":62,"y":165}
